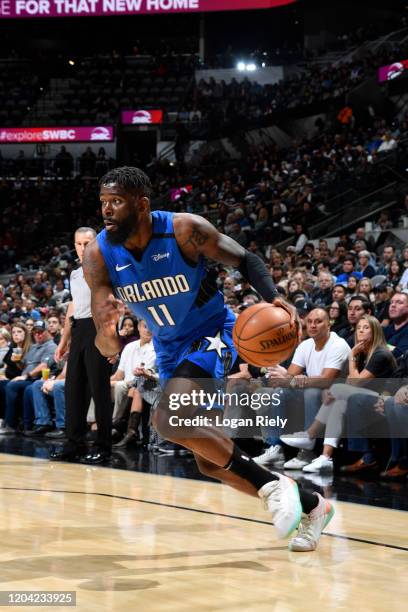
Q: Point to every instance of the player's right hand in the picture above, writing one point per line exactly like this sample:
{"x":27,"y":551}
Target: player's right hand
{"x":108,"y":313}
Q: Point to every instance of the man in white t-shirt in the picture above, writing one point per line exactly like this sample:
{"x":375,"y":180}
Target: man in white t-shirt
{"x":135,"y":356}
{"x":316,"y":363}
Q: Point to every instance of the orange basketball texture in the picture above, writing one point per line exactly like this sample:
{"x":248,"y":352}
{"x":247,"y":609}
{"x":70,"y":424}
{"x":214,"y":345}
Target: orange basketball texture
{"x":263,"y":335}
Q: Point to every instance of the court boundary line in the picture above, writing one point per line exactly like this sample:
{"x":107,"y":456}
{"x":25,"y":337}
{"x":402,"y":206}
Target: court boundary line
{"x":201,"y":511}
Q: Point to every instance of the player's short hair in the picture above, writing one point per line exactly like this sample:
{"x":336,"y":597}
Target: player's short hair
{"x":130,"y":179}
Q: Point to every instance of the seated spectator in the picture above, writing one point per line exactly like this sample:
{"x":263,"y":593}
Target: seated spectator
{"x":54,"y":328}
{"x":381,"y":304}
{"x":356,"y":308}
{"x":36,"y":359}
{"x":394,"y":273}
{"x":322,"y":294}
{"x":352,"y":286}
{"x":365,"y":287}
{"x":143,"y":394}
{"x":5,"y":339}
{"x":14,"y":359}
{"x":136,"y":355}
{"x":348,"y":270}
{"x":366,"y":269}
{"x":300,"y":237}
{"x":128,"y":331}
{"x":338,"y":316}
{"x":387,"y":255}
{"x":369,"y":359}
{"x":362,"y":415}
{"x":339,"y":293}
{"x":60,"y":295}
{"x":396,"y":333}
{"x":316,"y":363}
{"x":43,"y":393}
{"x":29,"y":323}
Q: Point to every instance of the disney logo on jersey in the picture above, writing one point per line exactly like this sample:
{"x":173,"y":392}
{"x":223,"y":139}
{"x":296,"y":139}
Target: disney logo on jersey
{"x":159,"y":256}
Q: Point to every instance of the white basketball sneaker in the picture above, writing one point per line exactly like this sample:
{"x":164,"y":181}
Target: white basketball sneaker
{"x":299,"y":439}
{"x":302,"y":458}
{"x":311,"y":526}
{"x":320,"y":464}
{"x":272,"y":456}
{"x":281,"y":498}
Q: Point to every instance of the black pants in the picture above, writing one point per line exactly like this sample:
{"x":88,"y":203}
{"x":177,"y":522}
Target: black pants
{"x":88,"y":374}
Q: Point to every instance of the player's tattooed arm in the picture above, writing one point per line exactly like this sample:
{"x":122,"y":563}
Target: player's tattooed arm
{"x":196,"y":236}
{"x":106,"y":309}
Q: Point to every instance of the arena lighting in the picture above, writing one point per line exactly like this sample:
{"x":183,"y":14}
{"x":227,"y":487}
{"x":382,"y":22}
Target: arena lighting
{"x":243,"y":67}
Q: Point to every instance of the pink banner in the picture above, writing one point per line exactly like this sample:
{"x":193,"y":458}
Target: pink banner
{"x":56,"y":134}
{"x":142,"y":117}
{"x":83,"y":8}
{"x":392,"y":71}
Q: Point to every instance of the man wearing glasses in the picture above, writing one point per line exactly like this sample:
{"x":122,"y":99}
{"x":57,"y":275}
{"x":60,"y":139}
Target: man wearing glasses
{"x":37,"y":359}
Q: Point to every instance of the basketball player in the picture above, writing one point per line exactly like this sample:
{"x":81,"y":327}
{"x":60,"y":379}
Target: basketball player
{"x":154,"y":262}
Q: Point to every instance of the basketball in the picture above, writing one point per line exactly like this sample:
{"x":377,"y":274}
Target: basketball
{"x":264,"y":336}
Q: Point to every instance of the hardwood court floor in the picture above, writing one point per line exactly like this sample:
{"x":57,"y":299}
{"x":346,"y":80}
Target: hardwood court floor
{"x":125,"y":541}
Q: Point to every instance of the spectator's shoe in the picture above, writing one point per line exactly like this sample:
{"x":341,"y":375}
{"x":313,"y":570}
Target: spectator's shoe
{"x":281,"y":498}
{"x":39,"y":430}
{"x":96,"y":456}
{"x":56,"y":434}
{"x":311,"y":526}
{"x":272,"y":456}
{"x":169,"y":448}
{"x":321,"y":464}
{"x":299,"y":439}
{"x":359,"y":466}
{"x":394,"y":473}
{"x":67,"y":452}
{"x":7,"y":431}
{"x":130,"y":439}
{"x":298,"y":463}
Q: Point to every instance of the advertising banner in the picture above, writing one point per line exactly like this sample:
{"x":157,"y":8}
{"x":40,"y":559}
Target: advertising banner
{"x":392,"y":71}
{"x":101,"y":133}
{"x":82,"y":8}
{"x":142,"y":117}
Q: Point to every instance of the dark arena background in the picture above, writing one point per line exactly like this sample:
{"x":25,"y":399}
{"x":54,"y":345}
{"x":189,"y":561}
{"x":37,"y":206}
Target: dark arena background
{"x":284,"y":124}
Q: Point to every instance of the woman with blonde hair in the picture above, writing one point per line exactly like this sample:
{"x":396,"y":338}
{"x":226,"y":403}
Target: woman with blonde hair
{"x":365,"y":287}
{"x":369,"y":359}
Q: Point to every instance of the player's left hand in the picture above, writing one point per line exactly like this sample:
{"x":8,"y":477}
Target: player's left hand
{"x":291,"y":310}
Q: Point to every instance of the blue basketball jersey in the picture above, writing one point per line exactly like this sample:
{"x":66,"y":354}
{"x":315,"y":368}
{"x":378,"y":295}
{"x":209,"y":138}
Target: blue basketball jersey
{"x":171,"y":294}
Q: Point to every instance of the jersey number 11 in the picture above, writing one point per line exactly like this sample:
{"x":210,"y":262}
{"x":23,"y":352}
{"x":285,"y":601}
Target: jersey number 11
{"x":156,"y":316}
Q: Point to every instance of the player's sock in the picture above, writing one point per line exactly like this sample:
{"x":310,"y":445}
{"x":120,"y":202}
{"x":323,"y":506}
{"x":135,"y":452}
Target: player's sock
{"x":244,"y":466}
{"x":309,"y":501}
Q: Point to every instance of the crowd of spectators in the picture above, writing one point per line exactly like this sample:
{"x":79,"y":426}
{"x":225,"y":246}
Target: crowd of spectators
{"x":248,"y":101}
{"x":277,"y":193}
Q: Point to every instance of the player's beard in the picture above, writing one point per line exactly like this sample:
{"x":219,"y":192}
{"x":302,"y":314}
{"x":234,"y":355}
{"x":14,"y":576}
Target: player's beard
{"x":123,"y":230}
